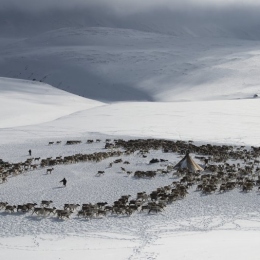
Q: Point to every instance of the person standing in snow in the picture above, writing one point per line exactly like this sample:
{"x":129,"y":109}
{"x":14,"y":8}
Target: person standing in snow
{"x":64,"y":181}
{"x":206,"y":160}
{"x":30,"y":152}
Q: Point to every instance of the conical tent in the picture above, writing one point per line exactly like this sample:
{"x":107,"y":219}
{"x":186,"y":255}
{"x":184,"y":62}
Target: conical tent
{"x":188,"y":163}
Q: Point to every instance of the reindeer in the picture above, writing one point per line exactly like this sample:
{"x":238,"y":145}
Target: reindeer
{"x":99,"y":173}
{"x":33,"y":166}
{"x":50,"y":210}
{"x":30,"y":206}
{"x":22,"y":208}
{"x":46,"y":203}
{"x":49,"y":170}
{"x":3,"y":204}
{"x":4,"y":179}
{"x":100,"y":205}
{"x":39,"y":211}
{"x":63,"y":214}
{"x":10,"y":208}
{"x":70,"y":207}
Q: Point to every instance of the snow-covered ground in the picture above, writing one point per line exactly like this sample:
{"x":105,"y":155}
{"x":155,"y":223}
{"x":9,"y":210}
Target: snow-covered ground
{"x":197,"y":227}
{"x":26,"y":102}
{"x":224,"y":121}
{"x":175,"y":82}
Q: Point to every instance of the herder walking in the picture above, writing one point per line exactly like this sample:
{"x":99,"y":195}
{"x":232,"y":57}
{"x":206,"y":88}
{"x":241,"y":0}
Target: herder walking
{"x":64,"y":181}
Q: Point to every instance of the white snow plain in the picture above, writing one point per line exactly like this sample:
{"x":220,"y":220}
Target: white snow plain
{"x":199,"y":227}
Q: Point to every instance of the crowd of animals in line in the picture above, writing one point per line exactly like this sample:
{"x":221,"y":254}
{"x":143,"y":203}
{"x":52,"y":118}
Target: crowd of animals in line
{"x":153,"y":202}
{"x":8,"y":169}
{"x":219,"y":175}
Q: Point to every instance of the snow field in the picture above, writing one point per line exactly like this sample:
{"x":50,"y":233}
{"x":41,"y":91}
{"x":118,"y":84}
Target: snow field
{"x":220,"y":74}
{"x":93,"y":245}
{"x":140,"y":236}
{"x":229,"y":122}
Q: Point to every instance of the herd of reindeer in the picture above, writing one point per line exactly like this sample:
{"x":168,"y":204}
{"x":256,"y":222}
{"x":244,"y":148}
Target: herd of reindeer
{"x":226,"y":168}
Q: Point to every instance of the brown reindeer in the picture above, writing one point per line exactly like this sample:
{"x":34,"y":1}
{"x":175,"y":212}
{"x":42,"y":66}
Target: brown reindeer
{"x":49,"y":170}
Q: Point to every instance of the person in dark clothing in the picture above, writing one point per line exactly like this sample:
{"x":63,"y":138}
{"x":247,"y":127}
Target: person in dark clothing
{"x":206,"y":161}
{"x":30,"y":152}
{"x":64,"y":181}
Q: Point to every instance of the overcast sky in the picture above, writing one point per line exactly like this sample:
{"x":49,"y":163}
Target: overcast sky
{"x":125,"y":5}
{"x":40,"y":15}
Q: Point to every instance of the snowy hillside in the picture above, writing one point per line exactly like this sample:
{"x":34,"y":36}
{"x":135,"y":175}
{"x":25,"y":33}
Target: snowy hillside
{"x":114,"y":64}
{"x":132,"y":50}
{"x":27,"y":103}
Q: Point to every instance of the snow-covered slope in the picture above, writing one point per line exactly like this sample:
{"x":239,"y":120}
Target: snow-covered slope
{"x":228,"y":121}
{"x":26,"y":102}
{"x":113,"y":64}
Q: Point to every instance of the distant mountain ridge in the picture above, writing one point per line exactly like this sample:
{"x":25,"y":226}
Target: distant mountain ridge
{"x":160,"y":55}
